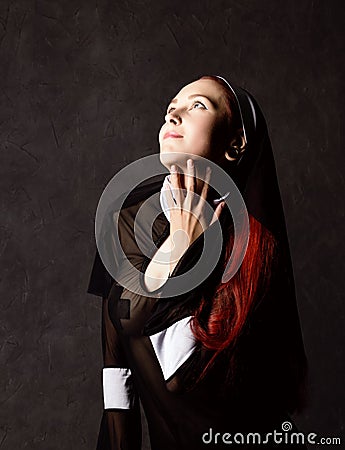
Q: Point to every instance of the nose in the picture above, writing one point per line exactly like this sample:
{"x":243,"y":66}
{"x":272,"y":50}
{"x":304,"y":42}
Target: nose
{"x":173,"y":117}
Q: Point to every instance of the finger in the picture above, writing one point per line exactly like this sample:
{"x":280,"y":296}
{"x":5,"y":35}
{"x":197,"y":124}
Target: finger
{"x":175,"y":184}
{"x":190,"y":183}
{"x":167,"y":192}
{"x":217,"y":212}
{"x":190,"y":176}
{"x":206,"y":183}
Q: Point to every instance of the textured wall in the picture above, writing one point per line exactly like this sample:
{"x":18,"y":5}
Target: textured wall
{"x":84,"y":85}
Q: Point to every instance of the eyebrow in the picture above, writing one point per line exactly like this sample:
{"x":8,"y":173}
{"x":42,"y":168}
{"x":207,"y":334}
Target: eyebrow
{"x":196,"y":95}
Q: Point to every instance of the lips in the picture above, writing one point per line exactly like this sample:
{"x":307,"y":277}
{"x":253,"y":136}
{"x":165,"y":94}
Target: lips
{"x":172,"y":134}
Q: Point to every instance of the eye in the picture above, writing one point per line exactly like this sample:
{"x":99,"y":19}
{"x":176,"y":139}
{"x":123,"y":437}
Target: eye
{"x":199,"y":103}
{"x":169,"y":110}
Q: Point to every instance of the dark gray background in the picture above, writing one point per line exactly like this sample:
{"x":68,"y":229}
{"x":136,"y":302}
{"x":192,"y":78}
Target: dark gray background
{"x":84,"y":86}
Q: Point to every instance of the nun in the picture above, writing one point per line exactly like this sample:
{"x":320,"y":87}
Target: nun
{"x":221,"y":360}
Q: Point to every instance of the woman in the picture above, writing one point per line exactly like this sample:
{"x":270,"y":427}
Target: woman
{"x":225,"y":357}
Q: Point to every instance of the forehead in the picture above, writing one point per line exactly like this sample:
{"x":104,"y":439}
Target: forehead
{"x":208,"y":88}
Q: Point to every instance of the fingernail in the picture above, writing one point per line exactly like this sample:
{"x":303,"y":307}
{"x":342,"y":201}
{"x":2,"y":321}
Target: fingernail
{"x":173,"y":168}
{"x":190,"y":163}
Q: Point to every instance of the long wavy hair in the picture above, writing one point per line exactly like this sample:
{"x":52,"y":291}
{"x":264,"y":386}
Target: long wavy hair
{"x":219,"y":321}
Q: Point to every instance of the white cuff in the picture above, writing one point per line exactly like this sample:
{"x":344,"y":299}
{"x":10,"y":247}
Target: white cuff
{"x":118,"y":391}
{"x":173,"y":346}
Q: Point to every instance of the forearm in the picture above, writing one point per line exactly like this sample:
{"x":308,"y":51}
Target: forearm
{"x":121,"y":421}
{"x":178,"y":246}
{"x":164,"y":262}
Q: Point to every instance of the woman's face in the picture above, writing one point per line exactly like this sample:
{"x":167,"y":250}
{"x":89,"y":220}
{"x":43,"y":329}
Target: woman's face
{"x":194,"y":124}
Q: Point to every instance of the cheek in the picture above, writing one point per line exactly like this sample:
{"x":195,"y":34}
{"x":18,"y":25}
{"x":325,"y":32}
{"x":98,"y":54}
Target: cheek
{"x":210,"y":141}
{"x":204,"y":137}
{"x":218,"y":137}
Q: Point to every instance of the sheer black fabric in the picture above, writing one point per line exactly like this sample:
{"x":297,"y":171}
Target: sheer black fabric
{"x":119,"y":429}
{"x":151,"y":336}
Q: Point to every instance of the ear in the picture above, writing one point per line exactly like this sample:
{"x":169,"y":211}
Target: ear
{"x":236,"y":147}
{"x":238,"y":141}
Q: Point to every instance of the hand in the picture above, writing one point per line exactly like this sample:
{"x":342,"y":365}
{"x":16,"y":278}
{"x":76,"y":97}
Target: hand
{"x":188,"y":216}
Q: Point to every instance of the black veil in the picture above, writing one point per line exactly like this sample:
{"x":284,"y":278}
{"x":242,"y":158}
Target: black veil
{"x":255,"y":176}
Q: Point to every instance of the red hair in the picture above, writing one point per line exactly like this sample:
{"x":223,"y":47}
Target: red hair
{"x":219,"y":321}
{"x":229,"y":308}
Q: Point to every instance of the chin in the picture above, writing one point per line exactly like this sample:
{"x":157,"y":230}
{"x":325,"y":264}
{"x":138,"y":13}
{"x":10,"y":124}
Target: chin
{"x":169,"y":158}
